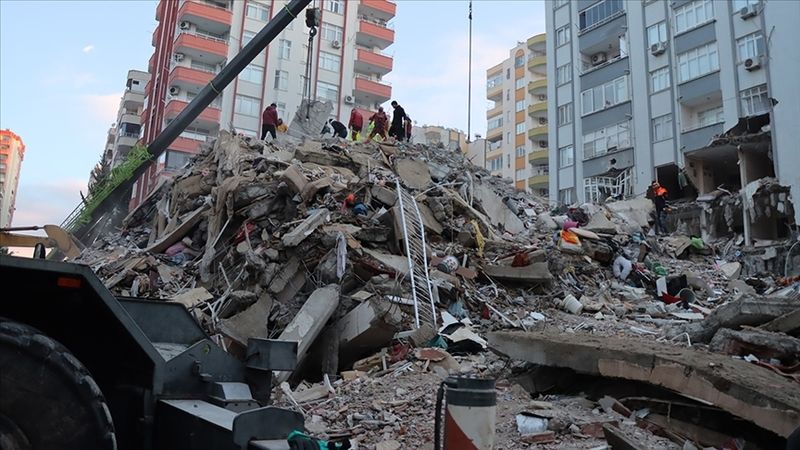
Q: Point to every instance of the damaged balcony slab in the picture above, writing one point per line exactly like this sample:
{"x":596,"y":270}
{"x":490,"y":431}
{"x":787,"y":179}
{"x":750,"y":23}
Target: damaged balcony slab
{"x":738,"y":387}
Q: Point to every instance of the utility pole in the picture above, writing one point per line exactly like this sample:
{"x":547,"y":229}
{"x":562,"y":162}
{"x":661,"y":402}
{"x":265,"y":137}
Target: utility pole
{"x":469,"y":78}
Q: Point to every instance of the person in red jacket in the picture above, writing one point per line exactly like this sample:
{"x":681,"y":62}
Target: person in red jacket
{"x":380,"y":121}
{"x":269,"y":120}
{"x":355,"y":124}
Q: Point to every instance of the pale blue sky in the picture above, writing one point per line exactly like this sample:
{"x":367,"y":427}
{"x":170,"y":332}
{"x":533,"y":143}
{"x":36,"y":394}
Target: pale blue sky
{"x":63,"y":66}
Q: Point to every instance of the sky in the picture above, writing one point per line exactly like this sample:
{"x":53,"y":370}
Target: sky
{"x":63,"y":67}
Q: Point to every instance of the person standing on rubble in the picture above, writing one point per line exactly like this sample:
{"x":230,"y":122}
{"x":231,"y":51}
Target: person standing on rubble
{"x":397,"y":130}
{"x":658,"y":194}
{"x":355,"y":124}
{"x":379,"y":122}
{"x":269,"y":121}
{"x":408,"y":127}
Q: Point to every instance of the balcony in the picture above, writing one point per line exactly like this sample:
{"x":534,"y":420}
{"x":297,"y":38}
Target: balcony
{"x":206,"y":16}
{"x":129,"y":118}
{"x":126,"y":141}
{"x":368,"y":91}
{"x":539,"y":155}
{"x":497,"y":110}
{"x":185,"y":145}
{"x":538,"y":109}
{"x":379,"y":9}
{"x":495,"y":92}
{"x":205,"y":48}
{"x":132,"y":99}
{"x":209,"y":116}
{"x":538,"y":65}
{"x":187,"y":76}
{"x":371,"y":62}
{"x":538,"y":87}
{"x":541,"y":180}
{"x":372,"y":34}
{"x":494,"y":133}
{"x":699,"y":138}
{"x":538,"y":133}
{"x":537,"y":42}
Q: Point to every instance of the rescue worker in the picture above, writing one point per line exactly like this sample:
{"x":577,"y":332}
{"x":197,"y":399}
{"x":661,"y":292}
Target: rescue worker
{"x":379,"y":122}
{"x":355,"y":124}
{"x":269,"y":120}
{"x":658,"y":194}
{"x":397,"y":129}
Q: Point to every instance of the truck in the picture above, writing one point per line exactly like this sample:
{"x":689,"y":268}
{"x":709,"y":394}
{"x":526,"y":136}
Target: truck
{"x":82,"y":369}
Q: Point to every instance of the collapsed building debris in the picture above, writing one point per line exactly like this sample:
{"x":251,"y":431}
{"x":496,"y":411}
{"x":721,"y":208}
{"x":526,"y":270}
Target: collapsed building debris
{"x":361,"y":252}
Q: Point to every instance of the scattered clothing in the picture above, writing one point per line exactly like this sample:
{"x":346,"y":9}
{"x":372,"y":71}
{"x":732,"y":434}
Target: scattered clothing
{"x":622,"y":267}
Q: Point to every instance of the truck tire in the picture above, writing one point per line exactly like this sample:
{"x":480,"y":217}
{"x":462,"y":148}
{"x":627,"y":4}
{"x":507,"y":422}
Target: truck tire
{"x":48,"y":400}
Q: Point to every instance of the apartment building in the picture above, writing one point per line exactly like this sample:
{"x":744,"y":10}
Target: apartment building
{"x":125,"y":132}
{"x":195,"y":38}
{"x":12,"y":151}
{"x":642,"y":88}
{"x":517,"y":126}
{"x":450,"y":138}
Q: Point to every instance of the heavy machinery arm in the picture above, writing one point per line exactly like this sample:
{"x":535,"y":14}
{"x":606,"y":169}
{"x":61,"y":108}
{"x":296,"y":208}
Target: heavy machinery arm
{"x":57,"y":238}
{"x":81,"y":221}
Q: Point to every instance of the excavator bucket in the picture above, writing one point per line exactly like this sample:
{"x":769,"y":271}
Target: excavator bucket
{"x":65,"y":242}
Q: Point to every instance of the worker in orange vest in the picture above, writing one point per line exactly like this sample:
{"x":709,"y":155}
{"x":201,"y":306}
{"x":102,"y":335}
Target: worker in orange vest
{"x":658,"y":194}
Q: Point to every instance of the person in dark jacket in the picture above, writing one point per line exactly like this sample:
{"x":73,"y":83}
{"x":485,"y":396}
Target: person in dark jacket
{"x":379,"y":122}
{"x":355,"y":124}
{"x":269,"y":120}
{"x":397,"y":129}
{"x":336,"y":128}
{"x":658,"y":194}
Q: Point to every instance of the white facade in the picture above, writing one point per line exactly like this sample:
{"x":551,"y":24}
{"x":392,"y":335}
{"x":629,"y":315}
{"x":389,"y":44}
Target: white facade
{"x":12,"y":152}
{"x":651,"y":84}
{"x":124,"y":134}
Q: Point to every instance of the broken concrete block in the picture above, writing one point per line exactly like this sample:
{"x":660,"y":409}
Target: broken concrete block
{"x":785,"y":323}
{"x":311,"y":189}
{"x":635,"y":211}
{"x":731,"y":269}
{"x":533,"y":273}
{"x":386,"y":196}
{"x":584,"y":233}
{"x":285,"y":276}
{"x":497,"y":211}
{"x":368,"y":327}
{"x":309,"y":321}
{"x":763,"y":344}
{"x":252,"y":322}
{"x":302,"y":231}
{"x":413,"y":173}
{"x":429,"y":219}
{"x":599,"y":223}
{"x":546,"y":222}
{"x":294,"y":178}
{"x":397,"y":263}
{"x":192,"y":297}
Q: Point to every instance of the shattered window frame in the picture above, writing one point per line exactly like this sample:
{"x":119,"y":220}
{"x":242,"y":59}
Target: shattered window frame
{"x":597,"y":189}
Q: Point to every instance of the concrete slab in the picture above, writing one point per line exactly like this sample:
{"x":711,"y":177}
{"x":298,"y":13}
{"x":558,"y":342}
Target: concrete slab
{"x":413,"y":173}
{"x":386,"y":196}
{"x":252,"y":322}
{"x":634,"y":211}
{"x":497,"y":211}
{"x":738,"y":387}
{"x":397,"y":263}
{"x":305,"y":228}
{"x":599,"y":223}
{"x":535,"y":273}
{"x":295,"y":178}
{"x":368,"y":327}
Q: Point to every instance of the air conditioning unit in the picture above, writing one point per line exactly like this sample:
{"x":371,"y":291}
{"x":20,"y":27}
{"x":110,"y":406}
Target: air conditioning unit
{"x":174,"y":90}
{"x":752,"y":63}
{"x":179,"y":57}
{"x":349,"y":100}
{"x":748,"y":12}
{"x":542,"y":121}
{"x":185,"y":25}
{"x":542,"y":97}
{"x":658,"y":48}
{"x":599,"y":58}
{"x":336,"y":44}
{"x":543,"y":144}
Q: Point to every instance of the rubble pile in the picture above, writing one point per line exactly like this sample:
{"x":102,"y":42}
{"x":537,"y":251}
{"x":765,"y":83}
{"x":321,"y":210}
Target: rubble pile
{"x":391,"y":264}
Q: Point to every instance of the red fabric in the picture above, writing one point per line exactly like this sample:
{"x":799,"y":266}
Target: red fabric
{"x":270,"y":116}
{"x":380,"y":120}
{"x":356,"y":119}
{"x":660,"y":191}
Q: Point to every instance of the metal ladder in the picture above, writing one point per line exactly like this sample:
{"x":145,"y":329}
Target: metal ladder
{"x":414,"y":238}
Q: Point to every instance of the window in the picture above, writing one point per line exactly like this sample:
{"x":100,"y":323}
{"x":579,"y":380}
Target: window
{"x":739,"y":4}
{"x":693,"y":14}
{"x":508,"y":94}
{"x":257,"y":11}
{"x":520,"y":174}
{"x":253,"y":74}
{"x":597,"y":189}
{"x":565,"y":114}
{"x":328,"y":91}
{"x":662,"y":128}
{"x":247,"y":106}
{"x":520,"y":83}
{"x":330,"y":61}
{"x":331,"y":32}
{"x":199,"y":65}
{"x":496,"y":80}
{"x":508,"y":74}
{"x":599,"y":12}
{"x":247,"y":36}
{"x":519,"y":61}
{"x":698,"y":62}
{"x":750,"y":46}
{"x":520,"y":105}
{"x":562,"y":35}
{"x":608,"y":139}
{"x":755,"y":100}
{"x":336,"y":6}
{"x":564,"y":74}
{"x":657,"y":33}
{"x":281,"y":80}
{"x":604,"y":95}
{"x":559,"y":3}
{"x":176,"y":160}
{"x":497,"y":122}
{"x":659,"y":79}
{"x":281,"y":109}
{"x":284,"y":49}
{"x":566,"y":196}
{"x":496,"y":164}
{"x":710,"y":116}
{"x":508,"y":137}
{"x":520,"y":128}
{"x":566,"y":156}
{"x":520,"y":151}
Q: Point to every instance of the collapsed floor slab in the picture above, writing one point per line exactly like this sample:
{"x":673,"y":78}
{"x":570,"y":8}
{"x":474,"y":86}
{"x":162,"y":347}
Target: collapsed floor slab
{"x":745,"y":390}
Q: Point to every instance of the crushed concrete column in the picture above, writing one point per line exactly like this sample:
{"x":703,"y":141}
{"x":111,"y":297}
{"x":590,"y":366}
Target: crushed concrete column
{"x":308,"y":121}
{"x":309,"y":321}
